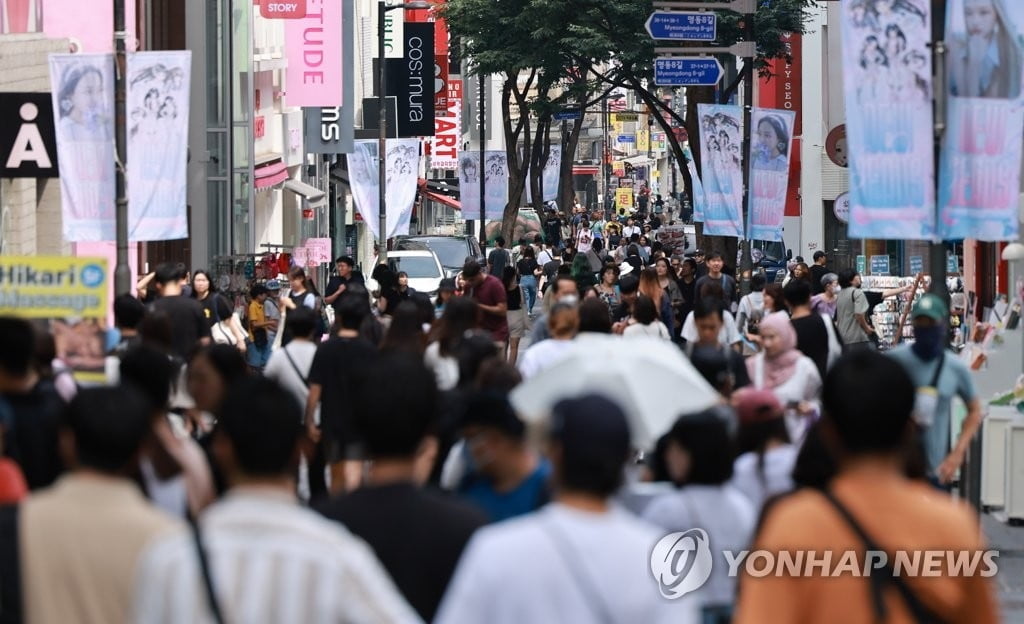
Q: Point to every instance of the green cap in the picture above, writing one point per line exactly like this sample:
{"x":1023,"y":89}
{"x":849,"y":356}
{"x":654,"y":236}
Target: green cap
{"x":933,"y":307}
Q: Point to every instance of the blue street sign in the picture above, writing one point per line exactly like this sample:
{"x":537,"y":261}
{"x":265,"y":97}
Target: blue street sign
{"x":916,"y":265}
{"x":879,"y":265}
{"x":682,"y":26}
{"x":566,"y":115}
{"x":952,"y":264}
{"x":687,"y":72}
{"x":627,"y":138}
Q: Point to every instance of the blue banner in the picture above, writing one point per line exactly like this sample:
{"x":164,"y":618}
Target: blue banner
{"x":770,"y":146}
{"x":887,"y":71}
{"x":981,"y":154}
{"x":721,"y":140}
{"x":697,"y":196}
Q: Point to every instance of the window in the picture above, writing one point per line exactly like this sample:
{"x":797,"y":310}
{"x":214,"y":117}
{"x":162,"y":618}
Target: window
{"x":415,"y":266}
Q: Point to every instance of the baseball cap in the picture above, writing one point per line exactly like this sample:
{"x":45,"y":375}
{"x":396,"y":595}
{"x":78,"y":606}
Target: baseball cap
{"x":273,"y":285}
{"x":931,"y":306}
{"x":756,"y":406}
{"x":590,"y":427}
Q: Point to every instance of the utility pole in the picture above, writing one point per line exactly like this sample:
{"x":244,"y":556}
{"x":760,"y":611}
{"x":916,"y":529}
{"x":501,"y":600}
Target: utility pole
{"x":746,"y":261}
{"x":122,"y":272}
{"x":937,"y":251}
{"x":382,"y":136}
{"x":483,"y":165}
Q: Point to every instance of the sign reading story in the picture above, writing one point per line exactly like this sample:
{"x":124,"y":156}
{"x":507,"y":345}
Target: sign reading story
{"x":721,"y":140}
{"x":981,"y":154}
{"x":888,"y":83}
{"x":769,"y":172}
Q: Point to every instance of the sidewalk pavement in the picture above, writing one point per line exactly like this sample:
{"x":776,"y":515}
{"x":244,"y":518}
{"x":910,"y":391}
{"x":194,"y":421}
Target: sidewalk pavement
{"x":999,"y":375}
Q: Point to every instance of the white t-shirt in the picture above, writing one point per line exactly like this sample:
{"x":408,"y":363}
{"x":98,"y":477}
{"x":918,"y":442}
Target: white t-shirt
{"x":530,"y":569}
{"x":654,"y":330}
{"x":281,"y":370}
{"x":727,"y":337}
{"x":778,"y":474}
{"x":542,"y":355}
{"x":727,"y":517}
{"x":446,"y":368}
{"x":803,"y":385}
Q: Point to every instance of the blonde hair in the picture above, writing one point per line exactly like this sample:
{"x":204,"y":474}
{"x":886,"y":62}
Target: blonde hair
{"x":563,"y":320}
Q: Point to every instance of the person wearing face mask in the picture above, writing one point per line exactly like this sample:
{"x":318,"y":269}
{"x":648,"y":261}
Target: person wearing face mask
{"x":939,"y":376}
{"x":825,"y":301}
{"x":565,"y":291}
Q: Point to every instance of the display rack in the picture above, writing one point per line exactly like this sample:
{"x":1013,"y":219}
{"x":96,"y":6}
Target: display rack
{"x":890,"y":318}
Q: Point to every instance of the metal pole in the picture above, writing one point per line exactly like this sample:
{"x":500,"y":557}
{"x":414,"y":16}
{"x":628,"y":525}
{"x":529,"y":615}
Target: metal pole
{"x":937,"y":251}
{"x":483,"y":168}
{"x":382,"y":137}
{"x":122,"y":272}
{"x":746,"y":261}
{"x":605,"y":158}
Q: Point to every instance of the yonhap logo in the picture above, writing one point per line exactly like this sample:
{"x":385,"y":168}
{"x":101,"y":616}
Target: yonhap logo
{"x":681,"y":562}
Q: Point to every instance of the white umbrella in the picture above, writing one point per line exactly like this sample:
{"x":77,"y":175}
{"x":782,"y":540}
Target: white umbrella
{"x":649,"y":378}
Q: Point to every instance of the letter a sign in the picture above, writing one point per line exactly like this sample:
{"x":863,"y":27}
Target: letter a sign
{"x":28,"y":144}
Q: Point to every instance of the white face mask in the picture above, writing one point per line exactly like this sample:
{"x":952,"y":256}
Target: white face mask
{"x":569,"y":299}
{"x":836,"y":289}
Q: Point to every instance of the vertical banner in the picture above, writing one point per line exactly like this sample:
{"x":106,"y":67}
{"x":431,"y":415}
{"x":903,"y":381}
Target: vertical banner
{"x":697,"y":196}
{"x":402,"y":172}
{"x":411,"y":80}
{"x":83,"y":109}
{"x":158,"y":111}
{"x":769,"y":172}
{"x":495,"y":183}
{"x":443,"y":147}
{"x":549,"y":177}
{"x":721,"y":139}
{"x":313,"y":44}
{"x":469,"y":184}
{"x":981,"y":154}
{"x":887,"y":68}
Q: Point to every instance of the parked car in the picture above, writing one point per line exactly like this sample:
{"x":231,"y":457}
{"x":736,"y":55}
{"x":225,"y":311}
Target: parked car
{"x":452,"y":251}
{"x":422,"y":266}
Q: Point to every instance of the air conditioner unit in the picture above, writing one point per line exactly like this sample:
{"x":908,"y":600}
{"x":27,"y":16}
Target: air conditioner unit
{"x":993,"y":456}
{"x":1014,"y":507}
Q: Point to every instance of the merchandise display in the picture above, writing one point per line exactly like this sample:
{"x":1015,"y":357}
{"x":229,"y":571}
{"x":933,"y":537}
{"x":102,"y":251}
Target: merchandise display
{"x":891,"y":317}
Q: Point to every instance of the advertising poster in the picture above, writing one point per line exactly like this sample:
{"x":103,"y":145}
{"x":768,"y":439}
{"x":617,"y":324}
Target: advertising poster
{"x":981,"y":154}
{"x":697,"y":192}
{"x":550,"y":176}
{"x":889,"y":123}
{"x":769,"y":172}
{"x":402,"y":170}
{"x":623,"y":198}
{"x":158,"y":110}
{"x":721,"y":138}
{"x":495,"y":183}
{"x":65,"y":296}
{"x":83,"y":109}
{"x":469,"y":184}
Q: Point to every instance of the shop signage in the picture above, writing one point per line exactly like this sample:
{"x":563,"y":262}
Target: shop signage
{"x":28,"y":143}
{"x":283,"y":9}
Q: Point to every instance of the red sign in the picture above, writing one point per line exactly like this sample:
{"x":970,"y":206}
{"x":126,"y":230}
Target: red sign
{"x":784,"y":91}
{"x":455,"y":89}
{"x":283,"y":9}
{"x":260,"y":127}
{"x":441,"y":86}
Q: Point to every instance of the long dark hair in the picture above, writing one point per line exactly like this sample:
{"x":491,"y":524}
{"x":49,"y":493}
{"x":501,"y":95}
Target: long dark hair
{"x":459,"y":317}
{"x":307,"y":284}
{"x":405,"y":333}
{"x":754,"y":438}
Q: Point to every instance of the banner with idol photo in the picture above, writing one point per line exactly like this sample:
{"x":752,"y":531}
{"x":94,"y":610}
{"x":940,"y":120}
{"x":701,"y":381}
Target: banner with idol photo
{"x":887,"y":71}
{"x":83,"y":109}
{"x":979,"y":190}
{"x":495,"y":183}
{"x":549,"y":178}
{"x":697,"y":197}
{"x":158,"y":110}
{"x":402,"y":171}
{"x":769,"y":172}
{"x":721,"y":138}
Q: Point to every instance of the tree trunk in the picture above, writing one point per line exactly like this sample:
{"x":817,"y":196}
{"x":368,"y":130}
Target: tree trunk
{"x":570,"y":141}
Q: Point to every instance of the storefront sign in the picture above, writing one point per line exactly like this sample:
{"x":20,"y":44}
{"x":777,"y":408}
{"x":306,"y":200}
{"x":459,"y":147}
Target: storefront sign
{"x":28,"y":143}
{"x":283,"y":9}
{"x":916,"y":265}
{"x":880,"y":265}
{"x":53,"y":287}
{"x":841,"y":208}
{"x":319,"y":250}
{"x":314,"y":46}
{"x":411,"y":80}
{"x":443,"y":147}
{"x":862,"y":264}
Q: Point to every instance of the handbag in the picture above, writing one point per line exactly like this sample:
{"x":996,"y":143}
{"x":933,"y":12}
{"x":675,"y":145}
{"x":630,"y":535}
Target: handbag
{"x":221,"y":335}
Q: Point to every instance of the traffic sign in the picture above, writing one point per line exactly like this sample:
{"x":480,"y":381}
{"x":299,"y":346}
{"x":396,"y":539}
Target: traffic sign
{"x":682,"y":26}
{"x":627,"y":138}
{"x":687,"y":71}
{"x":566,"y":115}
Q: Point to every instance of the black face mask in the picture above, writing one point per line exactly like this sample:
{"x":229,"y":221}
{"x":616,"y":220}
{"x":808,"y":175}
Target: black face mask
{"x":929,"y":341}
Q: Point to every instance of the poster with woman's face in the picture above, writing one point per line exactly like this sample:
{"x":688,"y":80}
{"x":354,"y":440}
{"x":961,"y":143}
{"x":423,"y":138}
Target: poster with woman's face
{"x":985,"y":59}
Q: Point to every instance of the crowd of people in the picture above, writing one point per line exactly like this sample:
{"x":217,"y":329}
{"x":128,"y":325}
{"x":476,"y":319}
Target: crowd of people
{"x":267,"y":467}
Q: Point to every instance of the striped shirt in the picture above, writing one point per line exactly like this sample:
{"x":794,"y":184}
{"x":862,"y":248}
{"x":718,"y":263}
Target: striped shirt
{"x":271,"y":561}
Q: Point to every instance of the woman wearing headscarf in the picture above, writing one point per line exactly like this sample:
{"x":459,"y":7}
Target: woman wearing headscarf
{"x":789,"y":374}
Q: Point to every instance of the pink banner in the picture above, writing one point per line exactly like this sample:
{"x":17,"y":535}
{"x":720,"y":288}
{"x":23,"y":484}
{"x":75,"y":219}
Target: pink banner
{"x":313,"y":45}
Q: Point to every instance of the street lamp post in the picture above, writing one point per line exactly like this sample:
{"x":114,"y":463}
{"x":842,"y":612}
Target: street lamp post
{"x":122,"y":272}
{"x":382,"y":143}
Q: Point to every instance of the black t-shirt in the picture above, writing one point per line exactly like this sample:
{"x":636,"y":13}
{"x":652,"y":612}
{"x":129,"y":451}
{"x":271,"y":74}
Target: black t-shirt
{"x":738,"y":367}
{"x":215,"y":308}
{"x":338,"y":368}
{"x":514,"y":299}
{"x":188,"y":322}
{"x":335,"y":282}
{"x":551,"y":270}
{"x":32,"y":420}
{"x":526,"y":267}
{"x":818,"y":272}
{"x":812,"y":340}
{"x":728,"y":286}
{"x":553,"y":229}
{"x":417,"y":534}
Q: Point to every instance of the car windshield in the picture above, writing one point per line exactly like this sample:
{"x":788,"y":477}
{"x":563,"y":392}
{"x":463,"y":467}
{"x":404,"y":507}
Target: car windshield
{"x":771,"y":250}
{"x":450,"y":251}
{"x":414,"y":266}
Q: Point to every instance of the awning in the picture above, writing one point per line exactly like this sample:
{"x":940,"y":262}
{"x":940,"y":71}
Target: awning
{"x":585,"y":169}
{"x":271,"y":174}
{"x":441,"y":198}
{"x":313,"y":195}
{"x":639,"y":161}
